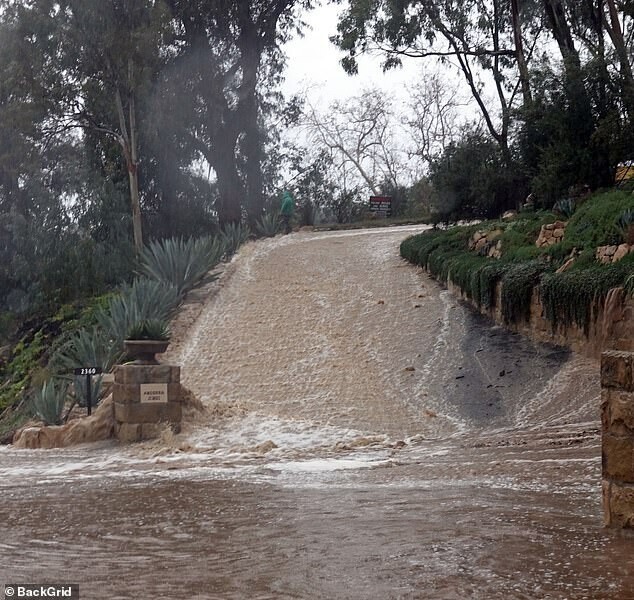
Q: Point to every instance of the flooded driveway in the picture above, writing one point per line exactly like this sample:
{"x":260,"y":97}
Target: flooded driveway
{"x":365,"y":436}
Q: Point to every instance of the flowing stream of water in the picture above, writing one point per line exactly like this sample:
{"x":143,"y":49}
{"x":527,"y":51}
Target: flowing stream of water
{"x":365,"y":436}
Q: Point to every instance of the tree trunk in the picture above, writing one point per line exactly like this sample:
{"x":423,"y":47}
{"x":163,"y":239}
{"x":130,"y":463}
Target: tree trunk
{"x":133,"y":175}
{"x":613,"y":27}
{"x":252,"y":140}
{"x":519,"y":53}
{"x":128,"y":141}
{"x":580,"y":110}
{"x":230,"y":187}
{"x":556,"y":15}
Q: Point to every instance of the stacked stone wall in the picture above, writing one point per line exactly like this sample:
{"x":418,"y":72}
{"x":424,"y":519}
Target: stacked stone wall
{"x":617,"y":419}
{"x":611,"y":324}
{"x":551,"y":234}
{"x":136,"y":419}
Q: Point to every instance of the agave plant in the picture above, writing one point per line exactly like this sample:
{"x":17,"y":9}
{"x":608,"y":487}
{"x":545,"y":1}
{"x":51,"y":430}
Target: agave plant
{"x":268,"y":225}
{"x":234,"y":235}
{"x":144,"y":299}
{"x":48,"y":402}
{"x":149,"y":329}
{"x":87,"y":347}
{"x":565,"y":207}
{"x":625,"y":226}
{"x":181,"y":262}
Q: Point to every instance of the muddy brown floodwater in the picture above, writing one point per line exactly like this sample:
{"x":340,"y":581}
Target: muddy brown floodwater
{"x":365,"y":436}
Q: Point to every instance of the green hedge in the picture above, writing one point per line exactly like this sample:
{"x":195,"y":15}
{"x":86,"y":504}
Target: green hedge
{"x":567,"y":297}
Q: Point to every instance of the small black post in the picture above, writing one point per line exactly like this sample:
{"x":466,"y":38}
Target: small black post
{"x":88,"y":372}
{"x":89,"y":393}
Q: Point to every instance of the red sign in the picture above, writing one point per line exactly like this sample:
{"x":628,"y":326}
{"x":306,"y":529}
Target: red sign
{"x":381,"y":204}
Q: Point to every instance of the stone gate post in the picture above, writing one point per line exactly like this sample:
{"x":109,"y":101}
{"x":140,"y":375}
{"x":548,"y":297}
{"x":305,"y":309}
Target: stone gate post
{"x":617,"y":419}
{"x":147,"y":397}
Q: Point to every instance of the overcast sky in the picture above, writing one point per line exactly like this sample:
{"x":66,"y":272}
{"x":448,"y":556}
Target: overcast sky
{"x":313,"y":63}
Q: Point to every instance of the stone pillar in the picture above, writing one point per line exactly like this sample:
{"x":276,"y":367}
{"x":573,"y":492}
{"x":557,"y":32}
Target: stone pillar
{"x":146,"y":399}
{"x":617,"y":418}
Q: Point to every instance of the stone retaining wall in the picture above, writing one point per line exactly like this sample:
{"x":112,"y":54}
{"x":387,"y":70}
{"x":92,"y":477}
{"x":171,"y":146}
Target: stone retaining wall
{"x":617,"y":418}
{"x":611,"y":326}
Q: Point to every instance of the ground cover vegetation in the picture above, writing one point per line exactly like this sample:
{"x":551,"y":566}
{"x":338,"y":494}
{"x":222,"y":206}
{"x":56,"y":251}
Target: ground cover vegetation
{"x":133,"y":131}
{"x":38,"y":373}
{"x":568,"y":297}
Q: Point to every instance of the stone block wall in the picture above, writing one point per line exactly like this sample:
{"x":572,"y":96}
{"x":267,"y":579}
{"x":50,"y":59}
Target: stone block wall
{"x":611,"y":329}
{"x":551,"y":234}
{"x":139,"y":415}
{"x":617,"y":418}
{"x":612,"y":254}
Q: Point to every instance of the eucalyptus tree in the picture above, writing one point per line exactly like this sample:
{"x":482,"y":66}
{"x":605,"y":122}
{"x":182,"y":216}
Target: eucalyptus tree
{"x":110,"y":53}
{"x":35,"y":177}
{"x":98,"y":59}
{"x":226,"y":60}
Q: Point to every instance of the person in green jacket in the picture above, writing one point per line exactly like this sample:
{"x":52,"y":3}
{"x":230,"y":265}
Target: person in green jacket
{"x":288,"y":207}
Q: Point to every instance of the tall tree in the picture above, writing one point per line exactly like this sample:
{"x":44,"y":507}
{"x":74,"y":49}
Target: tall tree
{"x":473,"y":33}
{"x":100,"y":58}
{"x":223,"y":50}
{"x":359,"y":134}
{"x":612,"y":17}
{"x":111,"y":52}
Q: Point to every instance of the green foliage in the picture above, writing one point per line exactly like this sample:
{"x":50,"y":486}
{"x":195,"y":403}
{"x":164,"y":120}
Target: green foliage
{"x":307,"y":213}
{"x":519,"y":235}
{"x":445,"y":254}
{"x":569,"y":297}
{"x":518,"y":282}
{"x":149,"y":329}
{"x":593,"y":224}
{"x":562,"y":141}
{"x":17,"y":374}
{"x":344,"y":207}
{"x":234,"y":235}
{"x":565,"y":207}
{"x":489,"y":276}
{"x":268,"y":225}
{"x":473,"y":179}
{"x":628,"y":285}
{"x":181,"y":262}
{"x":48,"y":402}
{"x":313,"y":184}
{"x":625,"y":225}
{"x":85,"y":348}
{"x":144,"y":299}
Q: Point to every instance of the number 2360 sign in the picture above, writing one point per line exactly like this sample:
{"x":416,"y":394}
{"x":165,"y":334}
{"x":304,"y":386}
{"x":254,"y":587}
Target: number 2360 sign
{"x":88,"y":371}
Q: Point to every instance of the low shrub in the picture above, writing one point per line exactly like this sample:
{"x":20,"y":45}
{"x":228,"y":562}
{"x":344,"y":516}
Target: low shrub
{"x":182,"y":262}
{"x":569,"y":297}
{"x":593,"y":224}
{"x":233,"y":236}
{"x":268,"y":225}
{"x":48,"y":402}
{"x":518,"y":281}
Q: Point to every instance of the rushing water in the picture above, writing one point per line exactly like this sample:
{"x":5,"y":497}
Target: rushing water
{"x":366,"y":436}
